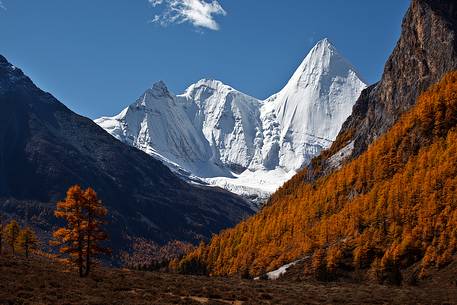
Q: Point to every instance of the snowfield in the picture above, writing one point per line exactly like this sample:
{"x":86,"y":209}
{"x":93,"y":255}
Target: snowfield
{"x":255,"y":185}
{"x":217,"y":135}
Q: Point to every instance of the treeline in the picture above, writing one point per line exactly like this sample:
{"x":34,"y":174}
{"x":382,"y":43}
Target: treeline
{"x":147,"y":255}
{"x":81,"y":240}
{"x":393,"y":207}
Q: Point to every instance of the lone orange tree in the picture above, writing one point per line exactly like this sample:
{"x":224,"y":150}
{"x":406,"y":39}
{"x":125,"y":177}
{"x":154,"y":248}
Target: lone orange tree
{"x":80,"y":238}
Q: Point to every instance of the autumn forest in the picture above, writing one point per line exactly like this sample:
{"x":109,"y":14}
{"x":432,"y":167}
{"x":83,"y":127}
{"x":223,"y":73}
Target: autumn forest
{"x":393,"y":207}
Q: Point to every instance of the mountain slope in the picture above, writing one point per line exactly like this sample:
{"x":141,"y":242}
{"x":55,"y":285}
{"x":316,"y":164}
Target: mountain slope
{"x":158,"y":124}
{"x":393,"y":207}
{"x":45,"y":148}
{"x":426,"y":50}
{"x":229,"y":120}
{"x":238,"y":142}
{"x":311,"y":108}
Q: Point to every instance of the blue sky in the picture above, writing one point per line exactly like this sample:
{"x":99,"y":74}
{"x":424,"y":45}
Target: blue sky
{"x":99,"y":56}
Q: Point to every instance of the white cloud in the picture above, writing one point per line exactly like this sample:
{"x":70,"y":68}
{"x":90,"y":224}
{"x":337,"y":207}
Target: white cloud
{"x":2,"y":6}
{"x":199,"y":13}
{"x":156,"y":2}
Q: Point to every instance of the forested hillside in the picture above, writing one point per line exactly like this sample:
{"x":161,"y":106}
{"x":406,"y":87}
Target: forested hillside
{"x":393,"y":207}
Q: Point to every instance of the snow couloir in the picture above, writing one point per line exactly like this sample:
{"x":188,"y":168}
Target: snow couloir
{"x":215,"y":134}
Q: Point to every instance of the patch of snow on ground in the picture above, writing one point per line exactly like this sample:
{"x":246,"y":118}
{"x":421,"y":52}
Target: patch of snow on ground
{"x":276,"y":274}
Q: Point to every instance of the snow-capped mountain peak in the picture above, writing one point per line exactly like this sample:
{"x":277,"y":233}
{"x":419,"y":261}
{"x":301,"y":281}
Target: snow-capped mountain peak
{"x":209,"y":83}
{"x":323,"y":62}
{"x":236,"y":141}
{"x":207,"y":87}
{"x":317,"y":61}
{"x":227,"y":118}
{"x":312,"y":106}
{"x":160,"y":86}
{"x":159,"y":90}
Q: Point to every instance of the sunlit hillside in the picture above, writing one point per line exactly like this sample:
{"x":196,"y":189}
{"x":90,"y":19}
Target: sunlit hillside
{"x":393,"y":207}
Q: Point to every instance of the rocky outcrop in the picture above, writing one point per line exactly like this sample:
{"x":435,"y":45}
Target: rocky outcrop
{"x":426,"y":50}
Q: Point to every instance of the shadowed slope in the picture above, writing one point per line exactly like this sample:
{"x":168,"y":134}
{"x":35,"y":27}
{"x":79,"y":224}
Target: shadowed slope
{"x":45,"y":148}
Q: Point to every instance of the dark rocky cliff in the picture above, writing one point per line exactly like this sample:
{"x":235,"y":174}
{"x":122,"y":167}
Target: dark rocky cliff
{"x":45,"y":148}
{"x":426,"y":50}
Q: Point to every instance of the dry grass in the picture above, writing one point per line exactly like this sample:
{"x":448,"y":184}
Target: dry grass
{"x":39,"y":281}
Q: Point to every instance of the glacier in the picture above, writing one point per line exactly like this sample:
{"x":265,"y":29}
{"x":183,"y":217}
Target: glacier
{"x":216,"y":135}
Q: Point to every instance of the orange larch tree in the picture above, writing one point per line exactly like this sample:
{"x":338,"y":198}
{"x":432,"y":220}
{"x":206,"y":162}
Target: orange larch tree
{"x":94,"y":212}
{"x":79,"y":239}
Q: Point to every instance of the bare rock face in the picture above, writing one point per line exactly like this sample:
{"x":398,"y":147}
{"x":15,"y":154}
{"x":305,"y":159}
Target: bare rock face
{"x":426,"y":50}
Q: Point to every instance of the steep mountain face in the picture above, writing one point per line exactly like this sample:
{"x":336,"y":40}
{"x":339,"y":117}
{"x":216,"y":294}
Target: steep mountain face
{"x":229,"y":120}
{"x":235,"y":141}
{"x":158,"y":124}
{"x":426,"y":50}
{"x":310,"y":109}
{"x":45,"y":148}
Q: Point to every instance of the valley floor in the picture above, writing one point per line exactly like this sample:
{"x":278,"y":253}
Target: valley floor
{"x":38,"y":281}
